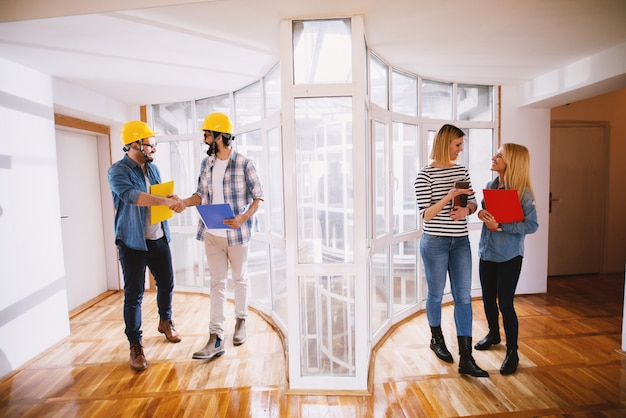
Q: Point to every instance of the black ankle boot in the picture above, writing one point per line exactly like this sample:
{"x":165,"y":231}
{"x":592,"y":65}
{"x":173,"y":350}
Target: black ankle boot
{"x":467,"y":365}
{"x":438,"y":345}
{"x":488,"y":341}
{"x":510,"y":362}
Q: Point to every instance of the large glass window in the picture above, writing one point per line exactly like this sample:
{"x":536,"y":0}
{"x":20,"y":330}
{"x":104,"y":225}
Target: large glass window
{"x":325,"y":201}
{"x":322,"y":51}
{"x":407,"y":113}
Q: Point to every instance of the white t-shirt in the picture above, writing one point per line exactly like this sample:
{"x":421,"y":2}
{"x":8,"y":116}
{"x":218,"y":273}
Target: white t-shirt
{"x":153,"y":231}
{"x":219,"y":168}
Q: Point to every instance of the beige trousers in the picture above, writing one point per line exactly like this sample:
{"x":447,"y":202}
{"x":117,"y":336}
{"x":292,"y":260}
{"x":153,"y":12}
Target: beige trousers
{"x":219,"y":256}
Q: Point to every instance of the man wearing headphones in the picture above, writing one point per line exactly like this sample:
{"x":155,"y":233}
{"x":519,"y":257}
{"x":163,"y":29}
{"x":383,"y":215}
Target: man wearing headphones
{"x":141,"y":244}
{"x":226,"y":176}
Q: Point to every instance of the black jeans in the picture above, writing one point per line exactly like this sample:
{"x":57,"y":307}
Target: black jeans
{"x":498,"y":281}
{"x":159,"y":259}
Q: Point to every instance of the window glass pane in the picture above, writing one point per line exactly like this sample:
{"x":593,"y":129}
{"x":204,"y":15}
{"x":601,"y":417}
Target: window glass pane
{"x":379,"y":82}
{"x":209,"y":105}
{"x":324,"y":170}
{"x":175,"y":160}
{"x":436,"y":100}
{"x":379,"y":274}
{"x":272,"y":91}
{"x":322,"y":51}
{"x":274,"y":202}
{"x":475,"y":102}
{"x":250,"y":145}
{"x":405,"y":168}
{"x":478,"y":148}
{"x":172,"y":118}
{"x":248,"y":104}
{"x":259,"y":272}
{"x":327,"y":324}
{"x":404,"y":93}
{"x":279,"y":284}
{"x":404,"y":275}
{"x":379,"y":173}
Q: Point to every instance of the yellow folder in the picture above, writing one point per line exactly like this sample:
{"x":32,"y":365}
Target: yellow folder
{"x":161,"y":213}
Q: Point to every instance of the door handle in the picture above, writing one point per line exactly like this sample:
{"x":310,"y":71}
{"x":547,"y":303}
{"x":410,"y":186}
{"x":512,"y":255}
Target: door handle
{"x":558,"y":199}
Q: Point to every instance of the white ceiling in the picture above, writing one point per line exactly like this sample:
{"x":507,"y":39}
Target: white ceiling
{"x":197,"y":49}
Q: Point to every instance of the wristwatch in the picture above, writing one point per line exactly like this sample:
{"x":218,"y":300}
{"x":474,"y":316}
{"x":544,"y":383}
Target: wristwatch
{"x":499,"y":228}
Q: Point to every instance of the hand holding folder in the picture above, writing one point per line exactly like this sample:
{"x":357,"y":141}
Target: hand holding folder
{"x":161,"y":213}
{"x":213,"y":215}
{"x":504,"y":205}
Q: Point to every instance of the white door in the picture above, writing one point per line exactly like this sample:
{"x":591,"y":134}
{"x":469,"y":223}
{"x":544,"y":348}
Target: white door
{"x":578,"y":176}
{"x":81,"y":216}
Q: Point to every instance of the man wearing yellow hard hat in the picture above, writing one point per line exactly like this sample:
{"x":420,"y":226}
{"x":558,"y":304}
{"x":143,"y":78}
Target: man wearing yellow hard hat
{"x":141,"y":244}
{"x":226,"y":176}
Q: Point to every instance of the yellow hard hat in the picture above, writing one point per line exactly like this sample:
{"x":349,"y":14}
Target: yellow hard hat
{"x":135,"y":130}
{"x":217,"y":122}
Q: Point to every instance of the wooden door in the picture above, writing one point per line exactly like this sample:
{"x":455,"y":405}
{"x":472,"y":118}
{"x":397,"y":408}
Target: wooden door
{"x":578,"y":177}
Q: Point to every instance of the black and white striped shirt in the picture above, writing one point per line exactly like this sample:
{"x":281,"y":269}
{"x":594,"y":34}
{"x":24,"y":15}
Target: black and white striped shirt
{"x":431,"y":185}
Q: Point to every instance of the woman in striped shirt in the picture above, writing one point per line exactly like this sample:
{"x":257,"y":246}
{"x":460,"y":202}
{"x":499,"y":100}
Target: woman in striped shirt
{"x":445,"y":246}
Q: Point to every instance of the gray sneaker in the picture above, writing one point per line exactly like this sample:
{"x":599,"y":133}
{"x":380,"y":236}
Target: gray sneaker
{"x":214,"y":348}
{"x":240,"y":337}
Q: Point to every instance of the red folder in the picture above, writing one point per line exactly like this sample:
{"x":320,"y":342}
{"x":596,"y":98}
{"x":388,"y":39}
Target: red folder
{"x":504,"y":205}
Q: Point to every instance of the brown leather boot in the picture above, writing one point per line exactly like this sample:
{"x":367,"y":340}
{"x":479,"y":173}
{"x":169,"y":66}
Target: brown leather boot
{"x":138,"y":361}
{"x":167,"y":328}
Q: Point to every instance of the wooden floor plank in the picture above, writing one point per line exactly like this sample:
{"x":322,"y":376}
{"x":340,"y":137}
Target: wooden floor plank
{"x":569,"y":345}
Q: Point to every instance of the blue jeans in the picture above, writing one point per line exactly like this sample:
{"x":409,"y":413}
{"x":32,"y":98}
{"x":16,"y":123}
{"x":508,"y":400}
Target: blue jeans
{"x":134,"y":262}
{"x":451,"y":255}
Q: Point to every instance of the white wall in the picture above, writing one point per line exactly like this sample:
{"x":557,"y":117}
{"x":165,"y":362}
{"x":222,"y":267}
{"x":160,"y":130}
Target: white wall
{"x":531,"y":127}
{"x":33,"y":301}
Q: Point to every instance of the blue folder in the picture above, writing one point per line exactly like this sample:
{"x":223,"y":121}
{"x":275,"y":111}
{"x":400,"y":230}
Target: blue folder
{"x":213,"y":215}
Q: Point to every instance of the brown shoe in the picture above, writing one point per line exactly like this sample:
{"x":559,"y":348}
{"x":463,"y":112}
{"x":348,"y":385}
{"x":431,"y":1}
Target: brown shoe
{"x":138,"y":361}
{"x":167,"y":328}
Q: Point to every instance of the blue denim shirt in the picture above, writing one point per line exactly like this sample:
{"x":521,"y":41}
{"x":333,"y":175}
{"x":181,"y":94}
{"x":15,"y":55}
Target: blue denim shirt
{"x":500,"y":246}
{"x":127,"y":181}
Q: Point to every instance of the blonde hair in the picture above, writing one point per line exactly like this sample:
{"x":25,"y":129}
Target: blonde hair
{"x":441,"y":146}
{"x":517,"y":173}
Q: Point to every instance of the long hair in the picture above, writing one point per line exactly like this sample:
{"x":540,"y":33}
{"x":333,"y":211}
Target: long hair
{"x":441,"y":146}
{"x":517,"y":173}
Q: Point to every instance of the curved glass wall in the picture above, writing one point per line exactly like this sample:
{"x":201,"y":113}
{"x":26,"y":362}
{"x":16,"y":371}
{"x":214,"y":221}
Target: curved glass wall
{"x":350,"y":194}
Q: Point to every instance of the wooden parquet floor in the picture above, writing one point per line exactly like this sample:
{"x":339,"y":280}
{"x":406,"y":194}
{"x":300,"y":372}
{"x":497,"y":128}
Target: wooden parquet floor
{"x":571,"y":365}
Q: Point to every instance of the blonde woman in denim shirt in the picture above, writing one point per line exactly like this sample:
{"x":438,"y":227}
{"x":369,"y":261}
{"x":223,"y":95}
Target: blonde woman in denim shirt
{"x":501,"y":249}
